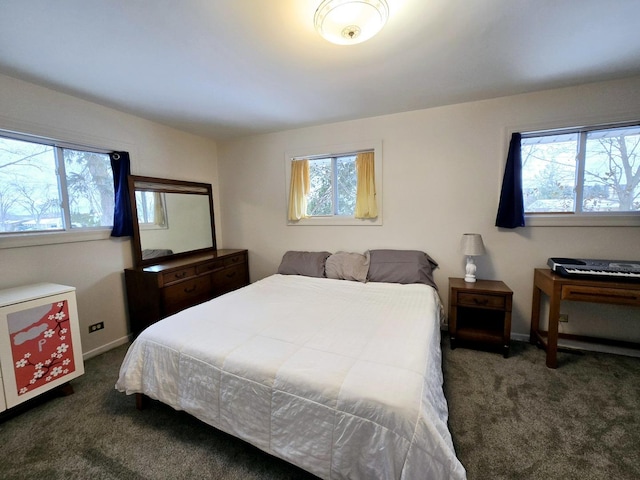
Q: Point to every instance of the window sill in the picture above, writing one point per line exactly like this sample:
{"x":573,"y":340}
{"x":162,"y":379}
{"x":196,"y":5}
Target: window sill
{"x":326,"y":221}
{"x":36,"y":239}
{"x":570,"y":220}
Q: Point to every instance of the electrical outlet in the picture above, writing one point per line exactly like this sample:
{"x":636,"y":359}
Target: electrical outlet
{"x":95,"y":327}
{"x":564,"y":317}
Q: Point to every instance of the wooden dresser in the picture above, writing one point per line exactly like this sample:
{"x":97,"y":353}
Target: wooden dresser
{"x":160,"y":290}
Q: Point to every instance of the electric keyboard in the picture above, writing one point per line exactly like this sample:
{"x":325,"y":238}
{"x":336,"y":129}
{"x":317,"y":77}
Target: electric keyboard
{"x":596,"y":269}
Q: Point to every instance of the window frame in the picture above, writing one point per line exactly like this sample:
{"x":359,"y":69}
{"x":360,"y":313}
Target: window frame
{"x":579,"y":218}
{"x":68,"y":235}
{"x":333,"y":161}
{"x":336,"y":151}
{"x":152,"y":225}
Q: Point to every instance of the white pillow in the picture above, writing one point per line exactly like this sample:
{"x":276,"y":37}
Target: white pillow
{"x":348,"y":266}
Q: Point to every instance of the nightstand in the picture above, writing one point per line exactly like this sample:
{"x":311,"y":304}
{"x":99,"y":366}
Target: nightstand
{"x":480,"y":313}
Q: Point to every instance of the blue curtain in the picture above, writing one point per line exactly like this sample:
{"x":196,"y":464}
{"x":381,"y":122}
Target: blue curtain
{"x":511,"y":207}
{"x":122,"y":219}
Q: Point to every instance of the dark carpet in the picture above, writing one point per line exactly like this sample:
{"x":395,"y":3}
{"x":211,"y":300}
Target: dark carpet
{"x":515,"y":418}
{"x":510,"y":419}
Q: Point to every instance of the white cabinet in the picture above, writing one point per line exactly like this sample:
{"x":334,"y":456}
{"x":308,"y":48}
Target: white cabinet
{"x":39,"y":341}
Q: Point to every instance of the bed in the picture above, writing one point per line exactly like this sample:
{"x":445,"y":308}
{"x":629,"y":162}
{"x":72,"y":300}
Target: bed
{"x":341,"y":378}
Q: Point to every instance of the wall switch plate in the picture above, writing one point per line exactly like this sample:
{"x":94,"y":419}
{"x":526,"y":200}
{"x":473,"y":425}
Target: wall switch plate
{"x":564,"y":317}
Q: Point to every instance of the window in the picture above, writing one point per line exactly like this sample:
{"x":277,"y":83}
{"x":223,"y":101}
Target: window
{"x":332,"y":182}
{"x":588,"y":171}
{"x":46,"y":187}
{"x":151,"y":210}
{"x":340,"y":188}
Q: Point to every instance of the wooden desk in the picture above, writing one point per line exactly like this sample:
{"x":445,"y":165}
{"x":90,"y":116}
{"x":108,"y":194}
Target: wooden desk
{"x":560,"y":288}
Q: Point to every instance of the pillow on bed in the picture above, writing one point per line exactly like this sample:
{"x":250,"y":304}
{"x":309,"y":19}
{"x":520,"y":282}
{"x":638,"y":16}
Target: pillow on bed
{"x":401,"y":266}
{"x":348,"y":266}
{"x":309,"y":264}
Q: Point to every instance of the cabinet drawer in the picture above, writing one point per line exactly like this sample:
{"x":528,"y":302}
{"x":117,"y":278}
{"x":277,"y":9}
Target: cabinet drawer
{"x":584,"y":293}
{"x":481,"y":300}
{"x":210,"y":266}
{"x":184,"y":294}
{"x":234,"y":260}
{"x":229,"y":279}
{"x":178,"y":275}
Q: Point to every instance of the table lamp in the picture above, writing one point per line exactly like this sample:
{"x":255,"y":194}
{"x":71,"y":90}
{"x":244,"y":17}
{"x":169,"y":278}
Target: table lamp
{"x":471,"y":246}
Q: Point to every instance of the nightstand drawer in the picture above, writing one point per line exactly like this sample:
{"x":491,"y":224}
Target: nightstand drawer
{"x":481,"y":300}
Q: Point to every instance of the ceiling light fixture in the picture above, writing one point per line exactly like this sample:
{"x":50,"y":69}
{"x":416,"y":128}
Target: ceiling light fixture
{"x":347,"y":22}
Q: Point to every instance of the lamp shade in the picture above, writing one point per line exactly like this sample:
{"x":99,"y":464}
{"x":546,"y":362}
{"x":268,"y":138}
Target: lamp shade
{"x":472,"y":245}
{"x":347,"y":22}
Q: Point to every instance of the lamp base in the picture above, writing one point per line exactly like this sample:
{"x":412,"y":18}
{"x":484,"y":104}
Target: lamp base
{"x":470,"y":270}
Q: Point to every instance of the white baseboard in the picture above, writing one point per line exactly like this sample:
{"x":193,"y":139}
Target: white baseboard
{"x":105,"y":348}
{"x":576,"y":345}
{"x":518,"y":337}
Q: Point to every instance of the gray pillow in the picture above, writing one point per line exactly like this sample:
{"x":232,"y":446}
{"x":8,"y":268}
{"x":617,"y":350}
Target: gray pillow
{"x":310,"y":264}
{"x":401,"y":266}
{"x":348,"y":266}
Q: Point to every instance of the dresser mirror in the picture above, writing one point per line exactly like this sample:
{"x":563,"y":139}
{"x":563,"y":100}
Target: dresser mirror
{"x":171,"y":219}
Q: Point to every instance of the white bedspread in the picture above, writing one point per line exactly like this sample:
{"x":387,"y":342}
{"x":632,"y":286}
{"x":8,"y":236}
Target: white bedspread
{"x":341,"y":378}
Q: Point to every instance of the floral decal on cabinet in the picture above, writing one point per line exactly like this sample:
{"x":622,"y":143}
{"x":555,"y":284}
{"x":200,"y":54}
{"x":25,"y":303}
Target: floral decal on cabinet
{"x":41,"y":345}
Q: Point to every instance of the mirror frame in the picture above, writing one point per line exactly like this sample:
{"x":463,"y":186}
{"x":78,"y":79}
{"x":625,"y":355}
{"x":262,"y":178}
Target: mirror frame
{"x":166,"y":185}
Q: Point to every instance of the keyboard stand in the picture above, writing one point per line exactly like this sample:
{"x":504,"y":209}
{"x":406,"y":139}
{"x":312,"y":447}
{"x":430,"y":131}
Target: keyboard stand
{"x":560,"y":288}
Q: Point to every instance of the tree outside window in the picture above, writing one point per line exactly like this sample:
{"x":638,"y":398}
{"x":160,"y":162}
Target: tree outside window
{"x":588,"y":171}
{"x":333,"y":183}
{"x":48,"y":188}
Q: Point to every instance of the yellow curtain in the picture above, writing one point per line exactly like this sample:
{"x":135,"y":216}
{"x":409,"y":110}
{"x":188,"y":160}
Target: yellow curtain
{"x":299,"y":189}
{"x":158,"y":210}
{"x":366,"y":206}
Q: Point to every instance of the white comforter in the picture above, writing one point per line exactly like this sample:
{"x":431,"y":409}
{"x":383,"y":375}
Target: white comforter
{"x":341,"y":378}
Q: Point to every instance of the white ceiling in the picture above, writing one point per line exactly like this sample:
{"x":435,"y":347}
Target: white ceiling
{"x":225,"y":68}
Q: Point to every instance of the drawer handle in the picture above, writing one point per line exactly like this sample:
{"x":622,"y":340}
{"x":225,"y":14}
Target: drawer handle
{"x":231,"y":275}
{"x":190,"y":290}
{"x":480,"y":301}
{"x":180,"y":275}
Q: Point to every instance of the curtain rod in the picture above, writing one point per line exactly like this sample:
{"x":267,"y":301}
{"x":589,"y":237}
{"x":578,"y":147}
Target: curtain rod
{"x":331,"y":155}
{"x":52,"y":142}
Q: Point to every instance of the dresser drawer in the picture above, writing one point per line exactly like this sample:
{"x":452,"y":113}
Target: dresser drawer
{"x":177,"y":275}
{"x":230,"y":279}
{"x":210,"y":266}
{"x":184,"y":294}
{"x":480,"y":300}
{"x":235,"y":260}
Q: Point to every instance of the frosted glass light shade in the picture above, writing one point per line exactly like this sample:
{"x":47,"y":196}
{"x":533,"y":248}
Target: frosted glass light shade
{"x":348,"y":22}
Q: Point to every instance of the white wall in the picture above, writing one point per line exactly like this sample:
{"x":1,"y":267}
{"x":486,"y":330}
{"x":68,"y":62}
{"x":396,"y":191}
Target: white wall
{"x":441,"y":177}
{"x":95,"y":268}
{"x":442,"y":171}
